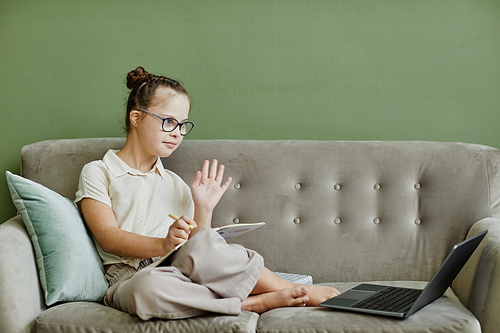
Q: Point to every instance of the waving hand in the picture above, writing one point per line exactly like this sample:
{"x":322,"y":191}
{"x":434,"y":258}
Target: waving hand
{"x":207,"y":187}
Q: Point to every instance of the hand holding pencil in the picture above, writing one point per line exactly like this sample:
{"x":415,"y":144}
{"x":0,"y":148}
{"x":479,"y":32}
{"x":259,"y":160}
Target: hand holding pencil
{"x":172,"y":216}
{"x":179,"y":232}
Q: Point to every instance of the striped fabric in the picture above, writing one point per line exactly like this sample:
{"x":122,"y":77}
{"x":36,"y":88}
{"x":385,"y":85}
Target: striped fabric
{"x":295,"y":278}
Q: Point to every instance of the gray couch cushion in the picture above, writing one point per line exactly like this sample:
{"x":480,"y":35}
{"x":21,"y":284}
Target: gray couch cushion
{"x":446,"y":314}
{"x":418,"y":199}
{"x":93,"y":317}
{"x":21,"y":297}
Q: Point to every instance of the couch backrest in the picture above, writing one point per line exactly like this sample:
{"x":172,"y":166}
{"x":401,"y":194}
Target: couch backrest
{"x":338,"y":210}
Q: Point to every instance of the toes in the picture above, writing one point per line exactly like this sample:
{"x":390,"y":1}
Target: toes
{"x":299,"y":291}
{"x":299,"y":296}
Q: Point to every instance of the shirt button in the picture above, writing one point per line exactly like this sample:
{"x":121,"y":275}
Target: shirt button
{"x":141,"y":218}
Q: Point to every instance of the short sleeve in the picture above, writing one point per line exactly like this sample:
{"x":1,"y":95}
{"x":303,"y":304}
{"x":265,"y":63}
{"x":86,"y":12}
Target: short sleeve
{"x":94,"y":183}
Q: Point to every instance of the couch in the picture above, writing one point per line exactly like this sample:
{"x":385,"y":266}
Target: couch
{"x":342,"y":212}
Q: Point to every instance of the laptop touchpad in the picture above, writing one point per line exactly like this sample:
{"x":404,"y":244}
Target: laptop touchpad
{"x":356,"y":294}
{"x":349,"y":298}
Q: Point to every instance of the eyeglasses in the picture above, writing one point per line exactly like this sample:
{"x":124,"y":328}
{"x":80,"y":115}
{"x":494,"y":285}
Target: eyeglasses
{"x":169,"y":124}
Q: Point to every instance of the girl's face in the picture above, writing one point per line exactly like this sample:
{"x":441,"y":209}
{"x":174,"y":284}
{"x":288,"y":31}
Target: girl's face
{"x":165,"y":103}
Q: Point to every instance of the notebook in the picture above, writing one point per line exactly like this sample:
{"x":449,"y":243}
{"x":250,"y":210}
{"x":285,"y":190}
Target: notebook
{"x":403,"y":302}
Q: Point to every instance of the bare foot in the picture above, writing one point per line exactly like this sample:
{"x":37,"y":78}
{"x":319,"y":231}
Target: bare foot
{"x":296,"y":296}
{"x":318,"y":294}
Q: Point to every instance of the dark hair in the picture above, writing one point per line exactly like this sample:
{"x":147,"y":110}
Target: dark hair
{"x":143,"y":87}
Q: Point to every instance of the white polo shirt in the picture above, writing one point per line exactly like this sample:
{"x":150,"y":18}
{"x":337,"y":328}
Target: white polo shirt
{"x":140,"y":201}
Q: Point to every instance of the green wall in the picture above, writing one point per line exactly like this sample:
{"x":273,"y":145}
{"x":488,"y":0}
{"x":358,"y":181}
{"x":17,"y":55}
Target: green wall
{"x":317,"y":69}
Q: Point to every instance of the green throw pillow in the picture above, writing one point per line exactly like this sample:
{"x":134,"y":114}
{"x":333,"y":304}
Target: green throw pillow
{"x":68,"y":264}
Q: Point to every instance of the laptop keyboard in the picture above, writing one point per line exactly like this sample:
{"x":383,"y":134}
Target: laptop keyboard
{"x":392,"y":299}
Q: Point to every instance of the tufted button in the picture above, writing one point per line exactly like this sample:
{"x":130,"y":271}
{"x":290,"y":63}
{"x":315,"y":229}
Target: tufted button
{"x":296,"y":220}
{"x":337,"y":187}
{"x":297,"y":186}
{"x":237,"y":185}
{"x":417,"y":186}
{"x":236,"y":220}
{"x":418,"y":221}
{"x":376,"y":220}
{"x":376,"y":187}
{"x":337,"y":221}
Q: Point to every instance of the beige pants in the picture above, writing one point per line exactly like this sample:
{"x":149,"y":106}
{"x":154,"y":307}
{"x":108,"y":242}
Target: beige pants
{"x":206,"y":275}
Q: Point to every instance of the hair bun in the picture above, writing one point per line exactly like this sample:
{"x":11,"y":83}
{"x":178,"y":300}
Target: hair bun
{"x":136,"y":77}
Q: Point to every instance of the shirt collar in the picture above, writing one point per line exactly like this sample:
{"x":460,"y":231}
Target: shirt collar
{"x":119,"y":168}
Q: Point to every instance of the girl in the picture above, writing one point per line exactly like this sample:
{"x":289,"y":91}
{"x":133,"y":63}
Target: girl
{"x":126,"y":198}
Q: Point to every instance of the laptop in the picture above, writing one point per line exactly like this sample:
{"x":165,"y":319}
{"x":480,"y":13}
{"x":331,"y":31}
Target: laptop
{"x":403,"y":302}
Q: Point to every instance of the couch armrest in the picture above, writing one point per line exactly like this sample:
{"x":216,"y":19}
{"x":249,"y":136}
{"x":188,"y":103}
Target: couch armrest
{"x":478,"y":284}
{"x":22,"y":299}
